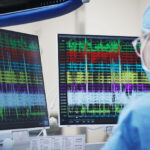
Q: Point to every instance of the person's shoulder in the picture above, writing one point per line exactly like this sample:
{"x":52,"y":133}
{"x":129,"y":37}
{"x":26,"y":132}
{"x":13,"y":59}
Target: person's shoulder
{"x":140,"y":102}
{"x":140,"y":106}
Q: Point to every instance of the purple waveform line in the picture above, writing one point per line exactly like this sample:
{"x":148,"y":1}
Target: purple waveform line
{"x":106,"y":87}
{"x":21,"y":88}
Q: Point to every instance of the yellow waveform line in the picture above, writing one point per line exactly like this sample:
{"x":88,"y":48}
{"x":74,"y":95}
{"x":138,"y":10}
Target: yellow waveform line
{"x":124,"y":77}
{"x":10,"y":77}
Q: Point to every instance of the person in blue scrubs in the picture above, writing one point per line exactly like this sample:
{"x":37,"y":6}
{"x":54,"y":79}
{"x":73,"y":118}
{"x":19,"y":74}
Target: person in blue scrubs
{"x":133,"y":129}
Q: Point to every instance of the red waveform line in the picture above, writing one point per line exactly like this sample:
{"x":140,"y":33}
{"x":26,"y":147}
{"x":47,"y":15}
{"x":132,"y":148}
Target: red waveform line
{"x":105,"y":57}
{"x":17,"y":56}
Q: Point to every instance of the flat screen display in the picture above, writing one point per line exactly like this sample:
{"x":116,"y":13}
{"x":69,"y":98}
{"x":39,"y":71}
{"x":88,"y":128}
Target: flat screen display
{"x":98,"y":76}
{"x":22,"y":94}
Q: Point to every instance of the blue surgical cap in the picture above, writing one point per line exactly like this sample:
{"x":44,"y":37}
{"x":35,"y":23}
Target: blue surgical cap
{"x":146,"y":20}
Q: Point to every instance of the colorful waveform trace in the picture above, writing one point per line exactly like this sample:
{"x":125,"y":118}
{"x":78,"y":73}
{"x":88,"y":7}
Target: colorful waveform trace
{"x":103,"y":74}
{"x":22,"y":94}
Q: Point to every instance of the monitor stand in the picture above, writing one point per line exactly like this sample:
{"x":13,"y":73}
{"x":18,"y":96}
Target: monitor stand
{"x":43,"y":131}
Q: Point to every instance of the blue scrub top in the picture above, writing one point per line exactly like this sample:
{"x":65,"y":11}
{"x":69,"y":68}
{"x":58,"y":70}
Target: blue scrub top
{"x":133,"y":130}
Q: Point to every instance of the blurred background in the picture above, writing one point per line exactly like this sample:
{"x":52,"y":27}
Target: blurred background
{"x":99,"y":17}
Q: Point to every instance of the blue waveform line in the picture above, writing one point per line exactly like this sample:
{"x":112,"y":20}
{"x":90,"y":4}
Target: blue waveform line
{"x":101,"y":67}
{"x":20,"y":63}
{"x":91,"y":116}
{"x":22,"y":70}
{"x":19,"y":66}
{"x":21,"y":99}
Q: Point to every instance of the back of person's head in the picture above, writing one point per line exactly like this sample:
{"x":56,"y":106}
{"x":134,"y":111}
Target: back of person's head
{"x":146,"y":20}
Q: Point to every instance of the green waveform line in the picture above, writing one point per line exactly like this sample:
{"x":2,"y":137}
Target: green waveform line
{"x":7,"y":42}
{"x":17,"y":112}
{"x":1,"y":113}
{"x":117,"y":109}
{"x":28,"y":113}
{"x":84,"y":110}
{"x":4,"y":114}
{"x":110,"y":46}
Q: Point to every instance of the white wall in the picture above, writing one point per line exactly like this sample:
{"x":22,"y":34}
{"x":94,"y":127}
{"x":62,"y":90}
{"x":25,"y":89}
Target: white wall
{"x":99,"y":17}
{"x":113,"y":17}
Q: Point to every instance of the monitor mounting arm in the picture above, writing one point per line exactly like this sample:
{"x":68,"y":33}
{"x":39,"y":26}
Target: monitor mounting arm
{"x":41,"y":10}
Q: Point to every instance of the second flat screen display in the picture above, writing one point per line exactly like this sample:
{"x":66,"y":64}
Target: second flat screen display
{"x":98,"y":76}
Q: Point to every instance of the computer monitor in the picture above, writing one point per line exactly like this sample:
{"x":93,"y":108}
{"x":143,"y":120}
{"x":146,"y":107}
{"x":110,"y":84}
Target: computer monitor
{"x":98,"y":76}
{"x":22,"y":95}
